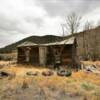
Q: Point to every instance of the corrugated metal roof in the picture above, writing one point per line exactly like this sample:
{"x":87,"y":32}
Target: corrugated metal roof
{"x":66,"y":42}
{"x":27,"y":44}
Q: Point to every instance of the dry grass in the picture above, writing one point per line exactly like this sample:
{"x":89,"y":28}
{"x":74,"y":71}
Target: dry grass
{"x":4,"y":62}
{"x":85,"y":84}
{"x":9,"y":54}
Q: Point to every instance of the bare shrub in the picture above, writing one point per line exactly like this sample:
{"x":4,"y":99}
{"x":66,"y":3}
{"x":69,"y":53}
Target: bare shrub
{"x":25,"y":85}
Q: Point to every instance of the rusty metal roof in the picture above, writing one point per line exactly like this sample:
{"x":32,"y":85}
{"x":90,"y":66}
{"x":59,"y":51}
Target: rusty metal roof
{"x":27,"y":44}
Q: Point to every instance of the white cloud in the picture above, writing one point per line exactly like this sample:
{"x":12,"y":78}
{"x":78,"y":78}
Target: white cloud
{"x":93,"y":15}
{"x":18,"y":14}
{"x":51,"y":26}
{"x":22,"y":18}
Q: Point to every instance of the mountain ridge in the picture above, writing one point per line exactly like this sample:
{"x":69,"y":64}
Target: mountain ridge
{"x":35,"y":39}
{"x":45,"y":39}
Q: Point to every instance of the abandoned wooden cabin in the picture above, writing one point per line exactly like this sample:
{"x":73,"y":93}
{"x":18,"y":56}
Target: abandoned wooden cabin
{"x":62,"y":52}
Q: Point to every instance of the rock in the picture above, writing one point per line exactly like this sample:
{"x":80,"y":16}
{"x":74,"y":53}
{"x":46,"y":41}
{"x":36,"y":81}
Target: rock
{"x":47,"y":73}
{"x":31,"y":73}
{"x":68,"y":73}
{"x":4,"y":74}
{"x":64,"y":73}
{"x":61,"y":73}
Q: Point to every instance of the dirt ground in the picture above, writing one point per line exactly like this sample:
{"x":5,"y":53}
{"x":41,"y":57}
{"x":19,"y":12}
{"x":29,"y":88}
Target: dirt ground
{"x":20,"y":86}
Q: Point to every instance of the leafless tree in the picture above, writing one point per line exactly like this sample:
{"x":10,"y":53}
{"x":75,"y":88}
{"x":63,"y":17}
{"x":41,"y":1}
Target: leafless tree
{"x":63,"y":29}
{"x":73,"y":22}
{"x":88,"y":25}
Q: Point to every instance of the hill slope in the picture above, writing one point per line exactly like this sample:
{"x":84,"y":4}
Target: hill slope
{"x":35,"y":39}
{"x":89,"y":37}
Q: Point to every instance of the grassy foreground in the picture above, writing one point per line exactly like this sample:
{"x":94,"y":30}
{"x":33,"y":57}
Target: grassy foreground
{"x":79,"y":86}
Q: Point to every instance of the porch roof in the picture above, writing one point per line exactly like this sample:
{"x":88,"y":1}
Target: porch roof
{"x":63,"y":42}
{"x":25,"y":44}
{"x":68,"y":41}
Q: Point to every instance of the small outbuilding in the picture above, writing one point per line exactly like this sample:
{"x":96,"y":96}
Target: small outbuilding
{"x":60,"y":52}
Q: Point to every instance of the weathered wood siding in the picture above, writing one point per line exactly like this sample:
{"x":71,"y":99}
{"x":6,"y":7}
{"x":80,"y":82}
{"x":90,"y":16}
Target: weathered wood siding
{"x":88,"y":43}
{"x":48,"y":55}
{"x":68,"y":54}
{"x":42,"y":55}
{"x":21,"y":56}
{"x":33,"y":55}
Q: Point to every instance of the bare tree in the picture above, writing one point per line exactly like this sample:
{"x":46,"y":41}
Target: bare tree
{"x":88,"y":25}
{"x":73,"y":22}
{"x":63,"y":29}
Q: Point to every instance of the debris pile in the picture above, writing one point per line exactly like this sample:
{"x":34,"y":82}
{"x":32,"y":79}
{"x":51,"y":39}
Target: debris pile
{"x":91,"y":68}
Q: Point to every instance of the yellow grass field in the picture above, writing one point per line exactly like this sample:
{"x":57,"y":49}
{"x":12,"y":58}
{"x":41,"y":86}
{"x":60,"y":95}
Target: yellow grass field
{"x":85,"y":84}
